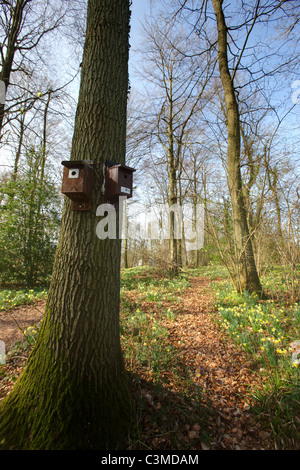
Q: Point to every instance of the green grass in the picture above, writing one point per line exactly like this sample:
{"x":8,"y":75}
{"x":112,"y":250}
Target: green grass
{"x":148,"y":300}
{"x":265,"y":330}
{"x":149,"y":286}
{"x":144,"y":338}
{"x":282,"y":283}
{"x":212,"y":271}
{"x":10,"y":298}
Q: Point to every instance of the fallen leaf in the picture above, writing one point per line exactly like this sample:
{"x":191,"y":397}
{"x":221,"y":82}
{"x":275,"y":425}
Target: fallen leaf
{"x":193,"y":435}
{"x":204,"y":446}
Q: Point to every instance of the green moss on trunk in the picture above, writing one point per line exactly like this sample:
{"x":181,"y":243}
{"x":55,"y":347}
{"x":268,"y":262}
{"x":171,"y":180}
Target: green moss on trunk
{"x":74,"y":393}
{"x":51,"y":408}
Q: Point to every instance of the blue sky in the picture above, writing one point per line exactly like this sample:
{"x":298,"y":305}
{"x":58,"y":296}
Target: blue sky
{"x":139,"y":9}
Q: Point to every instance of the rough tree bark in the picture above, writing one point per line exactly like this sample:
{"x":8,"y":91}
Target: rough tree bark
{"x":172,"y":174}
{"x":74,"y":392}
{"x":248,"y":276}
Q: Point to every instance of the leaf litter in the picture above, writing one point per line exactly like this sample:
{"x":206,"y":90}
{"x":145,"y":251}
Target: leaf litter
{"x":215,"y":416}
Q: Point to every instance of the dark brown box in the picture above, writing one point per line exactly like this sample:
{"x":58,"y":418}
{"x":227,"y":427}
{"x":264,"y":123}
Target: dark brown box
{"x":119,"y":180}
{"x":77,"y":183}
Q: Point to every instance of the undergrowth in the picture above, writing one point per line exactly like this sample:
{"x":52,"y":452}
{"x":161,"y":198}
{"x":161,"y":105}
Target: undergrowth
{"x":268,"y":331}
{"x":264,"y":329}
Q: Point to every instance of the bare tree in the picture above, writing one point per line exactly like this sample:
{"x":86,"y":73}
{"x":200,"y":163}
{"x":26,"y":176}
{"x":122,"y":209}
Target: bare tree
{"x":24,"y":23}
{"x":246,"y":69}
{"x":179,"y":84}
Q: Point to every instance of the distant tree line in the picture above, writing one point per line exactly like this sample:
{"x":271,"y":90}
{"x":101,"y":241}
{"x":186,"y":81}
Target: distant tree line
{"x":215,"y":124}
{"x":36,"y":125}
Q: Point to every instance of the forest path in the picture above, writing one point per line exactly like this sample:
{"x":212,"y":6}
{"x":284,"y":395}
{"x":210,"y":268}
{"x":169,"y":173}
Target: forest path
{"x":14,"y":321}
{"x":219,"y":368}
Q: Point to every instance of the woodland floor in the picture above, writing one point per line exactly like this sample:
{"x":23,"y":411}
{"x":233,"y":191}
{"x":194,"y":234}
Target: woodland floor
{"x":217,"y":366}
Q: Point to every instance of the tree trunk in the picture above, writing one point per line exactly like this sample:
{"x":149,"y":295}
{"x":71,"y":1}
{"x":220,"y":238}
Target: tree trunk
{"x":18,"y":155}
{"x":248,"y":276}
{"x":74,"y":392}
{"x":44,"y":141}
{"x":17,"y":15}
{"x":125,"y":222}
{"x":172,"y":190}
